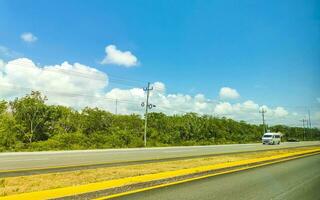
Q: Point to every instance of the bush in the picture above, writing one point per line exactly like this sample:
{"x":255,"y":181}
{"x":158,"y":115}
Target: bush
{"x":64,"y":141}
{"x":30,"y":124}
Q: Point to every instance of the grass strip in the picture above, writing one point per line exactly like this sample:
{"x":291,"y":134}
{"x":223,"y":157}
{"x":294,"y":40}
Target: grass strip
{"x":68,"y":183}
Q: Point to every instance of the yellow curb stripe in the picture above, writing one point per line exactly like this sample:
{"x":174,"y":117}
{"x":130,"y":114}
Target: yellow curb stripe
{"x":197,"y":178}
{"x":75,"y":190}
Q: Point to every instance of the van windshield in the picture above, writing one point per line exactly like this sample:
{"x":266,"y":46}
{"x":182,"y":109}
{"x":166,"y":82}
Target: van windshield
{"x":267,"y":136}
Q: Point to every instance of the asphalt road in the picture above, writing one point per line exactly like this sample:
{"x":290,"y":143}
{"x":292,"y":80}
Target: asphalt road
{"x":295,"y":179}
{"x":32,"y":160}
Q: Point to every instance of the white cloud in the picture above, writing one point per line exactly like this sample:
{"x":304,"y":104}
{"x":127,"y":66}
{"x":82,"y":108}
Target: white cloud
{"x":78,"y":86}
{"x":224,"y":108}
{"x":249,"y":111}
{"x":130,"y":101}
{"x":250,"y":105}
{"x":158,"y":86}
{"x":228,"y":93}
{"x":18,"y":76}
{"x":238,"y":109}
{"x":280,"y":112}
{"x":117,"y":57}
{"x":318,"y":99}
{"x":28,"y":37}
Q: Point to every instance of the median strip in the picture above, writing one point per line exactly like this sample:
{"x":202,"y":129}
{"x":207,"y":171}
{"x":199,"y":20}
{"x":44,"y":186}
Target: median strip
{"x":86,"y":166}
{"x":172,"y":171}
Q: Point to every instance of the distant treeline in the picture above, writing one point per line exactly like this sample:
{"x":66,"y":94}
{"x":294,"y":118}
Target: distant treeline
{"x":28,"y":124}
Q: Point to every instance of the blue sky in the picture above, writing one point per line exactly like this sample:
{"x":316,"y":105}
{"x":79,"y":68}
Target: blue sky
{"x":267,"y":50}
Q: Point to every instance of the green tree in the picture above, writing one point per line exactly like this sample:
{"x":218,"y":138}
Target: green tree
{"x":30,"y":112}
{"x":94,"y":119}
{"x":28,"y":123}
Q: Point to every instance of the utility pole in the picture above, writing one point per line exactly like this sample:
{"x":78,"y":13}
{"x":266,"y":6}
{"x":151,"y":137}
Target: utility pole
{"x":263,"y":111}
{"x":116,"y":106}
{"x":304,"y":129}
{"x":309,"y":119}
{"x":148,"y":106}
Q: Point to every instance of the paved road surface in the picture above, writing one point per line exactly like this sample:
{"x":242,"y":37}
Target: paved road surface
{"x":27,"y":160}
{"x":295,"y":179}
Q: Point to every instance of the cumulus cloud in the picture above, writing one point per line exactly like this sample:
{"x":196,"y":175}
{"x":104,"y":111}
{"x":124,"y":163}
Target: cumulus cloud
{"x":167,"y":103}
{"x":224,"y":108}
{"x":247,"y":107}
{"x":19,"y":76}
{"x":117,"y":57}
{"x":280,"y":112}
{"x":228,"y":93}
{"x":159,"y":86}
{"x":78,"y":86}
{"x":28,"y":37}
{"x":249,"y":111}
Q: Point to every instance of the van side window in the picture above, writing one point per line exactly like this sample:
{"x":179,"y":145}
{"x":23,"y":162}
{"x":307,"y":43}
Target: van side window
{"x":277,"y":136}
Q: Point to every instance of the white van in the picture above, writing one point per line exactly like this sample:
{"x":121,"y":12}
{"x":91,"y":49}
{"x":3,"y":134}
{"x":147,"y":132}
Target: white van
{"x":271,"y":138}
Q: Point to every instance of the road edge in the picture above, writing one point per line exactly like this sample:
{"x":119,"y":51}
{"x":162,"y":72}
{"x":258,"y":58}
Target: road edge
{"x":73,"y":191}
{"x":66,"y":168}
{"x":202,"y":177}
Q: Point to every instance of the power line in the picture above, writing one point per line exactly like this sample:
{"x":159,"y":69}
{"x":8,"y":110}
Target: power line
{"x":127,"y":101}
{"x":68,"y":94}
{"x":136,"y":103}
{"x":116,"y":80}
{"x":171,"y":109}
{"x":100,"y":77}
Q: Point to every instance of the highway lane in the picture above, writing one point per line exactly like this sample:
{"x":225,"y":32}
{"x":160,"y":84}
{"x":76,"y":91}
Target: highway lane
{"x":295,"y":179}
{"x":31,"y":160}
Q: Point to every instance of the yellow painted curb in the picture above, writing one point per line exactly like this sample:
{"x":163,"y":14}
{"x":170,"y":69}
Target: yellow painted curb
{"x":76,"y":190}
{"x":197,"y":178}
